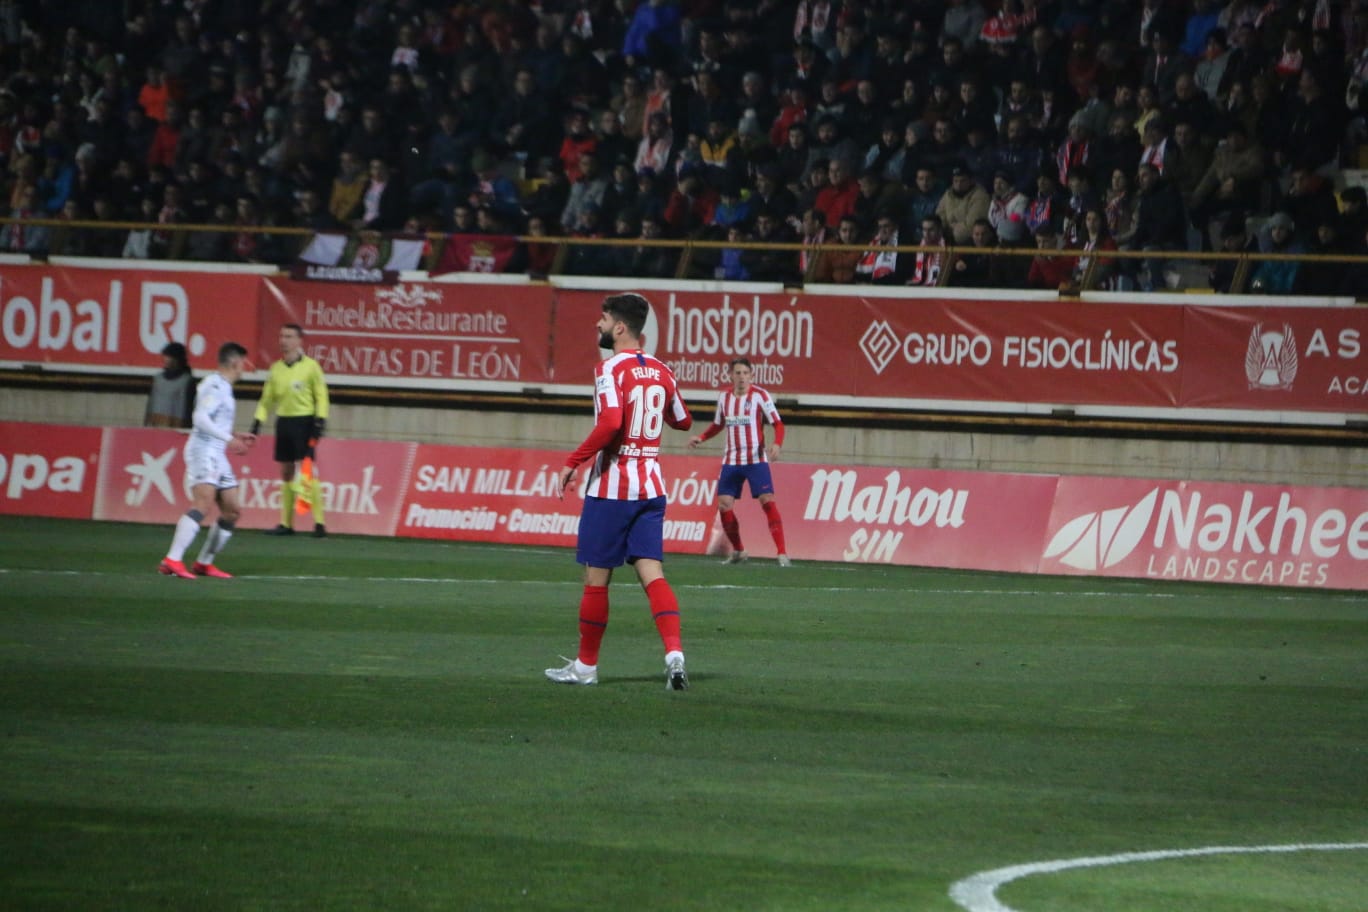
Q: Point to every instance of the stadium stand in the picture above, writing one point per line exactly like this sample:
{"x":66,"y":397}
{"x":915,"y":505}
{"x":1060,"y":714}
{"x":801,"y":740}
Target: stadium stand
{"x":266,"y":121}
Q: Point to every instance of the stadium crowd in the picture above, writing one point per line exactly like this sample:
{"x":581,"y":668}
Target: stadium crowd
{"x":1082,"y":125}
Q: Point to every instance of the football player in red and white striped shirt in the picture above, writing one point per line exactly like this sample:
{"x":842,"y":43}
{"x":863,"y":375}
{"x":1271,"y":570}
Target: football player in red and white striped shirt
{"x":623,"y":517}
{"x":742,"y":412}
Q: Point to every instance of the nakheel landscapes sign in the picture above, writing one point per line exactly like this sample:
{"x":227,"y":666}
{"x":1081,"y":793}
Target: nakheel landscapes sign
{"x":1209,"y":532}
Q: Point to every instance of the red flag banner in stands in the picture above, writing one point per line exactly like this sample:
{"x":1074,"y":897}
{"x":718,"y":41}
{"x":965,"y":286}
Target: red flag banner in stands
{"x":142,"y":477}
{"x":881,"y":349}
{"x":47,"y":470}
{"x":121,"y":317}
{"x":1277,"y":358}
{"x":457,"y":335}
{"x":368,"y":256}
{"x":476,"y":253}
{"x":1273,"y":535}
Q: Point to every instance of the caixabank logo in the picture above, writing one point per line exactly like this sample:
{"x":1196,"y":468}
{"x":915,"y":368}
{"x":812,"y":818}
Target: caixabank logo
{"x":1210,"y":532}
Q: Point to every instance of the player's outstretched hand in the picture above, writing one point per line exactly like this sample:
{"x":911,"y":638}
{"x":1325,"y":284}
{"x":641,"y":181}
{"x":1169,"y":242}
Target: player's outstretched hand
{"x":567,"y":475}
{"x":694,"y":442}
{"x":240,"y":444}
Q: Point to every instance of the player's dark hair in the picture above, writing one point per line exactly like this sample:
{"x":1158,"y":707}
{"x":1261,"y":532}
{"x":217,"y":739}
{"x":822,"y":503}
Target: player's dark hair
{"x":230,"y":350}
{"x":742,"y":361}
{"x":296,"y":327}
{"x":631,"y":308}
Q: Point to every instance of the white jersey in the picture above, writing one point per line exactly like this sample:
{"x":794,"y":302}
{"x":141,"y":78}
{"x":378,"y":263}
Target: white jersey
{"x":215,"y":412}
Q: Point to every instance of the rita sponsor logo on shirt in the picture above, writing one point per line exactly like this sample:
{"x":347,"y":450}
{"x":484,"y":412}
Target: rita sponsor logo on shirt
{"x":1230,"y":535}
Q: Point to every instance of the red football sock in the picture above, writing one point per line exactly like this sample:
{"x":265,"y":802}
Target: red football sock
{"x":776,"y":524}
{"x":665,"y":611}
{"x":732,"y":528}
{"x":593,"y":622}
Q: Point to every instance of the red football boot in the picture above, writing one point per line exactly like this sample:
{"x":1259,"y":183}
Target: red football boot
{"x":169,"y":567}
{"x":210,"y":570}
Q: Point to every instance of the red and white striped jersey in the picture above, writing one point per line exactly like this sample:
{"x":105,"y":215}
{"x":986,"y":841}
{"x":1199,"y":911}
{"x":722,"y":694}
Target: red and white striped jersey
{"x":635,"y":396}
{"x":743,"y":419}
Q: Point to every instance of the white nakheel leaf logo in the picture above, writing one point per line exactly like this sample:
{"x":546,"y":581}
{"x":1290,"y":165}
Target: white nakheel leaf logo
{"x":1103,"y":538}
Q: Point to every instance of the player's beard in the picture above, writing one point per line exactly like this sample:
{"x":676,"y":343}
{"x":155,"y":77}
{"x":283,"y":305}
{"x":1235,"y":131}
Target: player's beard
{"x":606,"y":341}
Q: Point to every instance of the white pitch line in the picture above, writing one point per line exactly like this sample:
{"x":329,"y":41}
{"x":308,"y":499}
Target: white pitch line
{"x":456,"y":580}
{"x":978,"y":892}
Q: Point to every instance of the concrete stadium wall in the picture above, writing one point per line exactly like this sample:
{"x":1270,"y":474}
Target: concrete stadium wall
{"x":1262,"y":463}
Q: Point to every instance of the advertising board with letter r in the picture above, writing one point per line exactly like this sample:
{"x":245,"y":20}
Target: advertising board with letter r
{"x":121,"y":318}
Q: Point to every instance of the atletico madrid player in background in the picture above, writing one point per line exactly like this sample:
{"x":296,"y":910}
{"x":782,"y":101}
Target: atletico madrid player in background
{"x":623,"y":518}
{"x":742,"y":411}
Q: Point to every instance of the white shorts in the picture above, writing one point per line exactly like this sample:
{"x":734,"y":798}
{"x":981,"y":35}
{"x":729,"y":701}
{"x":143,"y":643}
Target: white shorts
{"x":207,"y":464}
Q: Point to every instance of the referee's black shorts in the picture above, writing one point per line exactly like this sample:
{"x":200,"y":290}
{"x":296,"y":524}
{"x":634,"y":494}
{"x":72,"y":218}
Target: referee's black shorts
{"x":292,"y":438}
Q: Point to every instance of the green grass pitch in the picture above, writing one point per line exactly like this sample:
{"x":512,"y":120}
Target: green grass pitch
{"x":361,"y":723}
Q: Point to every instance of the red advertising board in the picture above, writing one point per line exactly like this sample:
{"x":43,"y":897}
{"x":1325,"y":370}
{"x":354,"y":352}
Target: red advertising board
{"x":1277,"y":358}
{"x":1270,"y":535}
{"x":794,"y":342}
{"x":509,"y":496}
{"x":881,"y":514}
{"x":121,"y":317}
{"x":142,"y":479}
{"x":46,"y":470}
{"x":878,"y":348}
{"x":1082,"y":525}
{"x":414,"y":331}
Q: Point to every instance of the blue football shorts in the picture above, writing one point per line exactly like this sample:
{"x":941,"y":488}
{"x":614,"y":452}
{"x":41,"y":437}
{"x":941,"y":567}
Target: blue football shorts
{"x":615,"y":532}
{"x":757,"y":475}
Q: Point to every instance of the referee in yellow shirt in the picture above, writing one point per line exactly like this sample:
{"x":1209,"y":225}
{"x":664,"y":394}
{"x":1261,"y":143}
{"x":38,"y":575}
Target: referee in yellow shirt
{"x":299,"y":394}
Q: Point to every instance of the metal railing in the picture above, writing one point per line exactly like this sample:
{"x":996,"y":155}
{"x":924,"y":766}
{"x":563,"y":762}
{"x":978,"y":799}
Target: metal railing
{"x":697,"y":257}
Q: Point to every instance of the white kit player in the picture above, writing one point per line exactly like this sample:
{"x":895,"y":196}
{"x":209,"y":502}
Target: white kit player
{"x":207,"y":472}
{"x":742,"y":412}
